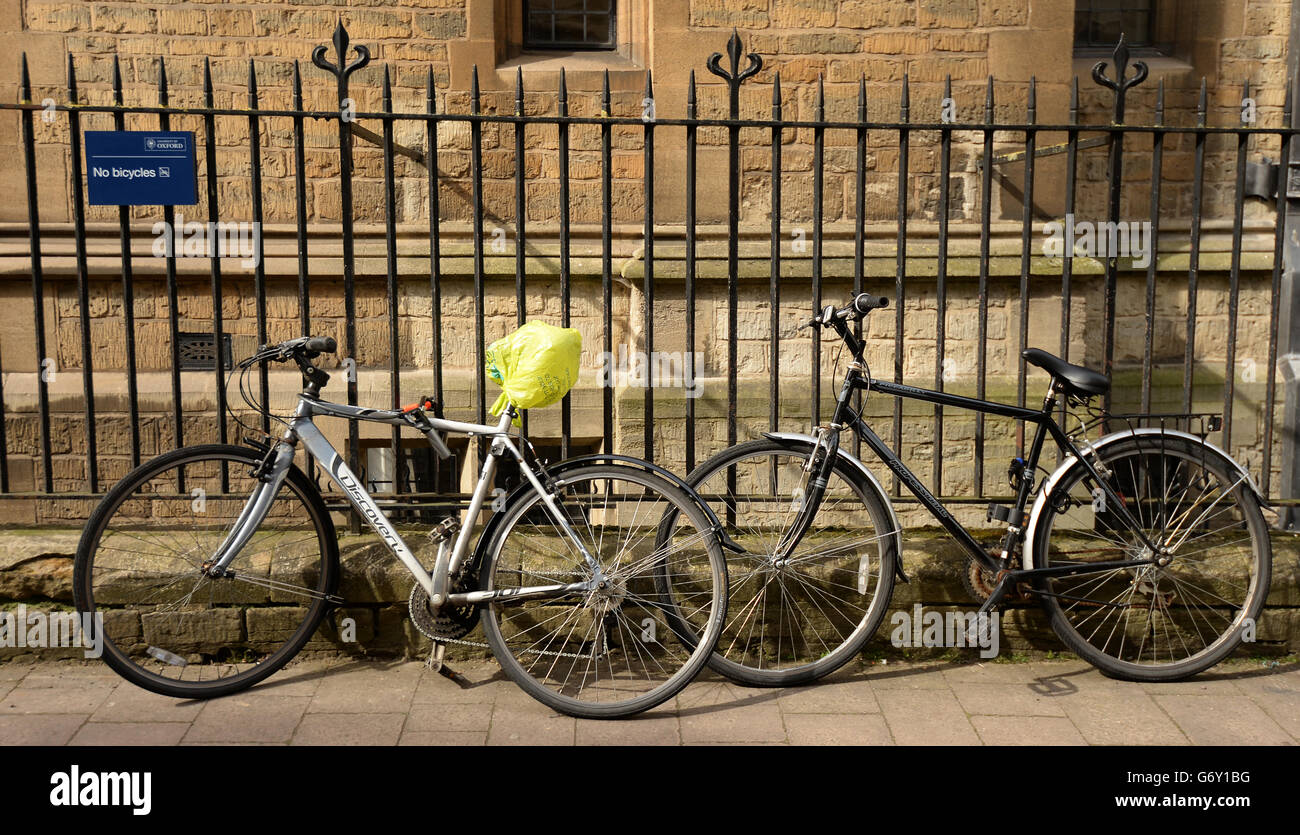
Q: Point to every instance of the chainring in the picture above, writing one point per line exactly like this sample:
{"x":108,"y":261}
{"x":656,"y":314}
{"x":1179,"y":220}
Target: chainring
{"x":978,"y":581}
{"x":450,"y":623}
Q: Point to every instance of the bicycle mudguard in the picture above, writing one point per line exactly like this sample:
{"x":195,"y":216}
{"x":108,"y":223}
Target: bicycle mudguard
{"x":1049,"y":484}
{"x":559,"y":469}
{"x":602,"y":458}
{"x":868,"y":481}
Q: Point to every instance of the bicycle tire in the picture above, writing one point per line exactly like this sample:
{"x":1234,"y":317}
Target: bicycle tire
{"x":242,"y":635}
{"x":860,"y":608}
{"x":605,"y":654}
{"x":1218,"y":583}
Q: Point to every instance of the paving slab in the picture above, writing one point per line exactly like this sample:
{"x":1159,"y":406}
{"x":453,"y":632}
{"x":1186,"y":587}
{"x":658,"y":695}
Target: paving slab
{"x":130,"y":733}
{"x":243,"y":718}
{"x":351,"y":702}
{"x":926,"y":717}
{"x":1122,"y":718}
{"x":1223,"y":720}
{"x":349,"y":729}
{"x":1030,"y":730}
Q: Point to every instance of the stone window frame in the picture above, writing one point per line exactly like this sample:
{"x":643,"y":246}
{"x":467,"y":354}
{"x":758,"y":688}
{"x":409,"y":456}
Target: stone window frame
{"x":611,"y":12}
{"x":1173,"y":52}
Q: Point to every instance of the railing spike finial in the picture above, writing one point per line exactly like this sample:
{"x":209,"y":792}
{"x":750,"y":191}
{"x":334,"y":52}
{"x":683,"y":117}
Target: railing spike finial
{"x":26,"y":93}
{"x":117,"y":80}
{"x":734,"y":76}
{"x":1122,"y":81}
{"x":72,"y":80}
{"x":1202,"y":105}
{"x":988,"y":102}
{"x":341,"y":69}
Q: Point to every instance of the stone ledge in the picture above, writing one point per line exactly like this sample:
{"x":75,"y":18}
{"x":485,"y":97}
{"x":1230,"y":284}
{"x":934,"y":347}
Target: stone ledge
{"x":37,"y":570}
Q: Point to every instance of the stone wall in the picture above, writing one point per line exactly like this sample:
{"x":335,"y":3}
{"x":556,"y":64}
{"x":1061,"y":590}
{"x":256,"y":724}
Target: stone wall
{"x":838,"y":41}
{"x":36,"y":569}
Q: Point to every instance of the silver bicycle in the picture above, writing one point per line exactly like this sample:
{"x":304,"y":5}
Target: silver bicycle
{"x":213,"y":565}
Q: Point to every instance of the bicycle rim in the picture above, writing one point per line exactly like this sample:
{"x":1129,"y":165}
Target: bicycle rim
{"x":168,"y":627}
{"x":608,"y":652}
{"x":1156,"y":622}
{"x":795,"y":620}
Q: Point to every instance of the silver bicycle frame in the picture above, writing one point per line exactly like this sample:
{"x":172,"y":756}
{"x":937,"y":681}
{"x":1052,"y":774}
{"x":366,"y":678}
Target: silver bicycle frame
{"x":303,"y":429}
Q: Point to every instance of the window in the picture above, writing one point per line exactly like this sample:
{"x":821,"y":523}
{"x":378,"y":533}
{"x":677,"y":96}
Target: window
{"x":1099,"y":23}
{"x":569,"y":24}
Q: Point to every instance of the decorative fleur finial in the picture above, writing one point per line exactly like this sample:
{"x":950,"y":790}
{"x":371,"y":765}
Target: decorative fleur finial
{"x":1122,"y":81}
{"x":734,"y":51}
{"x":341,"y":69}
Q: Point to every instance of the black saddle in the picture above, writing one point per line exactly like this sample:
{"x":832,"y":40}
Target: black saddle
{"x":1076,"y":379}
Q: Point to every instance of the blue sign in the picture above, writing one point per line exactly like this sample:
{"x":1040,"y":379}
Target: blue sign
{"x":141,"y":168}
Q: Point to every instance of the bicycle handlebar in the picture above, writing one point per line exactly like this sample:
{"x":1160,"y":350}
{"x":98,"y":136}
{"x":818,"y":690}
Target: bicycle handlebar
{"x":861,"y":305}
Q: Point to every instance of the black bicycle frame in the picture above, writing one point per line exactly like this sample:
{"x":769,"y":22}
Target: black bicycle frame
{"x":846,"y":417}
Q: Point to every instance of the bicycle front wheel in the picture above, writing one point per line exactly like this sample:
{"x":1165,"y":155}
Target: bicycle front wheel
{"x":1201,"y":538}
{"x":795,"y":618}
{"x":617,"y":650}
{"x":165,"y":624}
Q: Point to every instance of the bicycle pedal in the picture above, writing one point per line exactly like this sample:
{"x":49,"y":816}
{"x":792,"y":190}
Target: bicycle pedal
{"x":434,"y":661}
{"x":445,"y":529}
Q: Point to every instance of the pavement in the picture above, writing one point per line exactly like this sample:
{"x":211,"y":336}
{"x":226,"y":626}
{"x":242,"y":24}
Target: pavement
{"x":349,"y":702}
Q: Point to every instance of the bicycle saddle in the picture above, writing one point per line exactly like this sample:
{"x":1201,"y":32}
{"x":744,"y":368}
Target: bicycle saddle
{"x":1077,"y":379}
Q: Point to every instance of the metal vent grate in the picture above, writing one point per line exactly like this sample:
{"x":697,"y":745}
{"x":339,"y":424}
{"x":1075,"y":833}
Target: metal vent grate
{"x":197,"y":351}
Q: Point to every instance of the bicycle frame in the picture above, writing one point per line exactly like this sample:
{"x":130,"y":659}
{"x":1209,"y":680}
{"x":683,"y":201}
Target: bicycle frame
{"x":845,"y":417}
{"x":302,"y":429}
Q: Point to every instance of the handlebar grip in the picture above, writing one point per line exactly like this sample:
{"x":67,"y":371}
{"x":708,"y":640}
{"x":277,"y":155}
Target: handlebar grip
{"x":321,"y":344}
{"x":865,"y":303}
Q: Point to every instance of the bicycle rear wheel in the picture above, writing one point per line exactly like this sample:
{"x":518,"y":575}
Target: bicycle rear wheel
{"x":1155,"y":622}
{"x":607,"y":652}
{"x":167,"y":626}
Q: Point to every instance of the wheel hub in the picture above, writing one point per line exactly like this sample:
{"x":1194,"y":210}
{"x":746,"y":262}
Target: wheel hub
{"x":607,"y":595}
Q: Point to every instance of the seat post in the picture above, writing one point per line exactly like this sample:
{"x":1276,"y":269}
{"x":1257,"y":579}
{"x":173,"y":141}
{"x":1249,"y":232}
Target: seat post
{"x":1049,"y":402}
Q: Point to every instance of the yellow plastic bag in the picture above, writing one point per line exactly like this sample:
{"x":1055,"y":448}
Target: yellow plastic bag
{"x":535,"y":366}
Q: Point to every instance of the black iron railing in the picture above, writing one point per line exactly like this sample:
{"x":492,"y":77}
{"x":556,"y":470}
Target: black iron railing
{"x":734,"y":68}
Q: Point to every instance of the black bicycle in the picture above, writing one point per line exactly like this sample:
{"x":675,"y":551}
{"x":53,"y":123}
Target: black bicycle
{"x":1147,"y":546}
